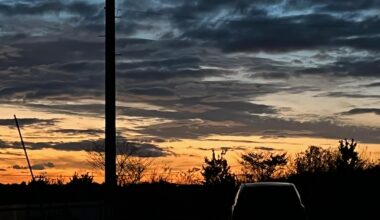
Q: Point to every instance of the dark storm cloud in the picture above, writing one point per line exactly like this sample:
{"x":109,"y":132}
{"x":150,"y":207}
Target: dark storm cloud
{"x":357,"y":111}
{"x":18,"y":167}
{"x":135,"y":148}
{"x":347,"y":95}
{"x":78,"y":69}
{"x":81,"y":8}
{"x":6,"y":144}
{"x":11,"y":153}
{"x":144,"y":150}
{"x":39,"y":166}
{"x":2,"y":143}
{"x":148,"y":140}
{"x":49,"y":89}
{"x":258,"y":125}
{"x":345,"y":5}
{"x":66,"y":146}
{"x":182,"y":62}
{"x":247,"y":25}
{"x":354,"y":67}
{"x":234,"y":148}
{"x":271,"y":75}
{"x":300,"y":32}
{"x":163,"y":74}
{"x":209,"y":93}
{"x":29,"y":121}
{"x":376,"y":84}
{"x":267,"y":148}
{"x":181,"y":97}
{"x":82,"y":73}
{"x":248,"y":107}
{"x":52,"y":51}
{"x":151,"y":91}
{"x":74,"y":109}
{"x":232,"y":140}
{"x":188,"y":10}
{"x":164,"y":63}
{"x":69,"y":68}
{"x":214,"y":111}
{"x":80,"y":66}
{"x":92,"y":132}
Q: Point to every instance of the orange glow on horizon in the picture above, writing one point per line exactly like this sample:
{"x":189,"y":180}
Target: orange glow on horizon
{"x":182,"y":155}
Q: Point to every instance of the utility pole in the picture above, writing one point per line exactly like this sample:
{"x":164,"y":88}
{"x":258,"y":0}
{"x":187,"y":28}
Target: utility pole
{"x":110,"y":98}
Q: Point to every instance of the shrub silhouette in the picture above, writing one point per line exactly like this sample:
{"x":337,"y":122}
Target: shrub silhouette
{"x":190,"y":176}
{"x":129,"y":167}
{"x":162,"y":176}
{"x":260,"y":166}
{"x":81,"y":180}
{"x":40,"y":181}
{"x":348,"y":159}
{"x":216,"y":170}
{"x":315,"y":160}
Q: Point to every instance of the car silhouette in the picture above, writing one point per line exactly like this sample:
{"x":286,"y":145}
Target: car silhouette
{"x":268,"y":201}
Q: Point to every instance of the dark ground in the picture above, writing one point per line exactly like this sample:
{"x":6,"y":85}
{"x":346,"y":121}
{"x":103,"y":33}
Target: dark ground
{"x":326,"y":196}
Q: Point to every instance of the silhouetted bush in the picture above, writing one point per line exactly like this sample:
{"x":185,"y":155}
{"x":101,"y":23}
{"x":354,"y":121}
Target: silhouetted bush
{"x":260,"y":166}
{"x":161,"y":176}
{"x":315,"y":160}
{"x":190,"y":176}
{"x":81,"y":180}
{"x":130,"y":168}
{"x":40,"y":181}
{"x":348,"y":158}
{"x":60,"y":181}
{"x":216,"y":170}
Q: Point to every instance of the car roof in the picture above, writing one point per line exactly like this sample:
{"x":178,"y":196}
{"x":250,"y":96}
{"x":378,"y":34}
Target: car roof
{"x":261,"y":189}
{"x":268,"y":184}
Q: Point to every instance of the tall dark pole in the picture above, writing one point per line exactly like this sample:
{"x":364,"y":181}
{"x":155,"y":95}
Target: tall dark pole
{"x":23,"y":146}
{"x":110,"y":117}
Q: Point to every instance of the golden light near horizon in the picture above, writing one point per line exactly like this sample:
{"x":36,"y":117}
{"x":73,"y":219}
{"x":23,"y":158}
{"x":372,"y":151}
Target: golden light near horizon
{"x":184,"y":155}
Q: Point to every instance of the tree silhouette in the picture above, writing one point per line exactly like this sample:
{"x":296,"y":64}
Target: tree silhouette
{"x":190,"y":176}
{"x":130,"y":168}
{"x":315,"y":160}
{"x":163,"y":175}
{"x":259,"y":166}
{"x":216,"y":170}
{"x":348,"y":158}
{"x":40,"y":181}
{"x":81,"y":180}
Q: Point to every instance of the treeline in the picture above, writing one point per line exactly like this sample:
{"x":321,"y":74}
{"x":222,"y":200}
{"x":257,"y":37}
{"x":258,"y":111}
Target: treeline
{"x":255,"y":166}
{"x":258,"y":166}
{"x":334,"y":183}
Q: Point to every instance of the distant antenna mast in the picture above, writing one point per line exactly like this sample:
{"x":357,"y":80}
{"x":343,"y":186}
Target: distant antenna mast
{"x":23,"y":145}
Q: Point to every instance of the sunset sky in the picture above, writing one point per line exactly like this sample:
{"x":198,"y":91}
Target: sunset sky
{"x":271,"y":75}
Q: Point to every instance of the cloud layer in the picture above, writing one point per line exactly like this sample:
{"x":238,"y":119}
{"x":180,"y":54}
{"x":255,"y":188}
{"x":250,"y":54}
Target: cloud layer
{"x":201,"y":67}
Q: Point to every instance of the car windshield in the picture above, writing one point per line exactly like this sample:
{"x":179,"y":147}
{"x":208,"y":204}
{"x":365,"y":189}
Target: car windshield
{"x":273,"y":196}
